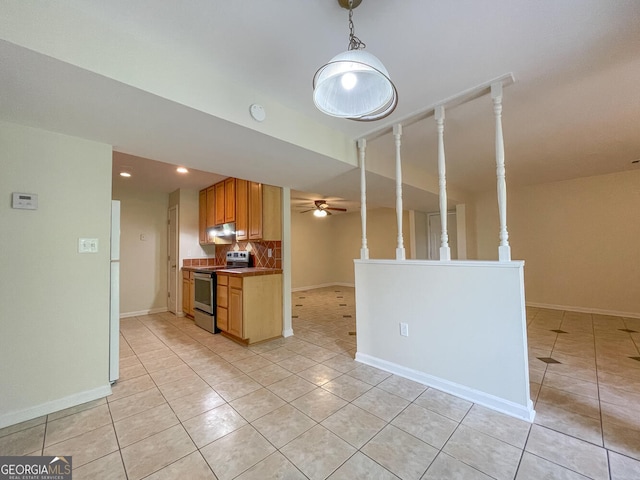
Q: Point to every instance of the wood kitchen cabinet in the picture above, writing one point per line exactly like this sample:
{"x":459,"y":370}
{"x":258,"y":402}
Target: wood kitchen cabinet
{"x":202,"y":216}
{"x":211,"y":206}
{"x":188,"y":293}
{"x":255,"y":211}
{"x":230,"y":200}
{"x":252,"y":307}
{"x":206,"y":214}
{"x":255,"y":208}
{"x":259,"y":208}
{"x":235,"y":307}
{"x":242,"y":209}
{"x":219,"y":206}
{"x":222,"y":295}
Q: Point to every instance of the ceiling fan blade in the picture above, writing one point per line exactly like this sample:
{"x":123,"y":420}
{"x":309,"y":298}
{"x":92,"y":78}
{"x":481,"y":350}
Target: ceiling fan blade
{"x":336,"y":209}
{"x":305,"y":211}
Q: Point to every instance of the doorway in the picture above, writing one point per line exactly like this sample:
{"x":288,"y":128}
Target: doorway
{"x":172,"y":259}
{"x":434,"y":228}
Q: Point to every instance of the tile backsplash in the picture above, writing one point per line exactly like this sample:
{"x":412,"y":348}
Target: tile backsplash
{"x":259,"y":250}
{"x":199,"y":262}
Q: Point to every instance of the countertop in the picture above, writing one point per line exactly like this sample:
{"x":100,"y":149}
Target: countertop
{"x":239,"y":272}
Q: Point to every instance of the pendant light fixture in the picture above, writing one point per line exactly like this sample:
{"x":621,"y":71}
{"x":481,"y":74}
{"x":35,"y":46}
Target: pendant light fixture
{"x":354,"y":84}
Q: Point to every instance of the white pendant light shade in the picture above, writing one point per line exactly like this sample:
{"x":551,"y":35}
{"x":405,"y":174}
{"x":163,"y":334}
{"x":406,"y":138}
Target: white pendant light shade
{"x":354,"y":85}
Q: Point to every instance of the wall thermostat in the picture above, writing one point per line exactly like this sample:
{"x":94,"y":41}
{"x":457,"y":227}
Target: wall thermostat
{"x":27,"y":201}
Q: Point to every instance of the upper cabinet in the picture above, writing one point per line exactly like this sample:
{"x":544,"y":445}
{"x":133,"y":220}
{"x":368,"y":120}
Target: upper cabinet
{"x":255,"y":208}
{"x":242,"y":209}
{"x":219,"y":207}
{"x":202,"y":216}
{"x":211,"y":204}
{"x":230,"y":200}
{"x":255,"y":211}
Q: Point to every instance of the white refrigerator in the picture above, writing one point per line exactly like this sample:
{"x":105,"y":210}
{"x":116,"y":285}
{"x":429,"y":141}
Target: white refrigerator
{"x":114,"y":307}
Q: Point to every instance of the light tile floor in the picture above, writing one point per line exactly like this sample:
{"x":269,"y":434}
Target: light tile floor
{"x":193,"y":405}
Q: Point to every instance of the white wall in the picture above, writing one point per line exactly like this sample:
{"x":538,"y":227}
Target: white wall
{"x":54,"y":302}
{"x":466,"y":327}
{"x":143,"y":263}
{"x":189,"y":246}
{"x":579,"y":239}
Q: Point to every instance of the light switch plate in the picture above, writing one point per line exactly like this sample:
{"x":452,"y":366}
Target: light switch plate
{"x":87,"y":245}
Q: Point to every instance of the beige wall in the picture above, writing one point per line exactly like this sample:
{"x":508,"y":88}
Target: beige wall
{"x":579,"y":239}
{"x":143,"y":263}
{"x":312,"y":242}
{"x":323,"y":249}
{"x":54,"y":302}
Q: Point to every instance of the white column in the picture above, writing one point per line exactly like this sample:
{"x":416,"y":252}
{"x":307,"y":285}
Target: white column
{"x":504,"y":250}
{"x":397,"y":134}
{"x":287,"y":327}
{"x":364,"y":250}
{"x":445,"y":251}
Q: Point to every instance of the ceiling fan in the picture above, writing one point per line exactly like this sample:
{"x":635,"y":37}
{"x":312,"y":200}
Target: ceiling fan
{"x":322,"y":208}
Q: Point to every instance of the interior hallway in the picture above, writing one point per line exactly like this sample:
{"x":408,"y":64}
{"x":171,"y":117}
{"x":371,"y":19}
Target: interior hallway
{"x":193,"y":405}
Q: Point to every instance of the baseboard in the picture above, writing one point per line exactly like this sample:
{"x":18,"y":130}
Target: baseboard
{"x":144,"y":312}
{"x":11,"y":418}
{"x":490,"y":401}
{"x":287,"y":332}
{"x":324,"y":285}
{"x":570,"y":308}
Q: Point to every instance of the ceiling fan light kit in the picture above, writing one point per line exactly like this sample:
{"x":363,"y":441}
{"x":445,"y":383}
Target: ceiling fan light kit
{"x":354,"y":84}
{"x":321,"y":209}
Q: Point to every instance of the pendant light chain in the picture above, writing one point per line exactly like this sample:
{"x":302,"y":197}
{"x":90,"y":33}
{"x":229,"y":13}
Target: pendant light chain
{"x":354,"y":42}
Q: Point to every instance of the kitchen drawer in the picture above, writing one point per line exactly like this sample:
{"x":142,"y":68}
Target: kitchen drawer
{"x":235,"y":282}
{"x":223,"y":280}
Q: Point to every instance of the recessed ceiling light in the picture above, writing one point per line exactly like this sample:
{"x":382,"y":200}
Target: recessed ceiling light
{"x":125,"y":174}
{"x":182,"y":170}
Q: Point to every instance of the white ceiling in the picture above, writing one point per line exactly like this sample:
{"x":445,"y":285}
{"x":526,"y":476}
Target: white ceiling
{"x":573,"y":111}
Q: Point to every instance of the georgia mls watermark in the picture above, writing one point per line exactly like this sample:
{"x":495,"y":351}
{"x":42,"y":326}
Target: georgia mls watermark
{"x":35,"y":468}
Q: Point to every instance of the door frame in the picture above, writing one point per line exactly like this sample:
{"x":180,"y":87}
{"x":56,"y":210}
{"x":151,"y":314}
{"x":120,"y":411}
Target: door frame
{"x":173,"y":263}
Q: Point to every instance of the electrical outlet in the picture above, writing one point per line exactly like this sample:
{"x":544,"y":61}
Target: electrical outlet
{"x":270,"y":252}
{"x":404,"y":329}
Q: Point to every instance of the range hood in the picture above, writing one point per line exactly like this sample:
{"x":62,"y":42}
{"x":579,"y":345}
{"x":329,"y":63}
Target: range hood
{"x":223,"y":234}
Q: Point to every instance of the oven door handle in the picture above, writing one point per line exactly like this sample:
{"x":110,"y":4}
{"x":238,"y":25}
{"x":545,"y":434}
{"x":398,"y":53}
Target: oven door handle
{"x":202,"y":276}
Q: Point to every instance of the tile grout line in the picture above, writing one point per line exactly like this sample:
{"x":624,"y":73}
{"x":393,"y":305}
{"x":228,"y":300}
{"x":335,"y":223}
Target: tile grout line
{"x":601,"y":417}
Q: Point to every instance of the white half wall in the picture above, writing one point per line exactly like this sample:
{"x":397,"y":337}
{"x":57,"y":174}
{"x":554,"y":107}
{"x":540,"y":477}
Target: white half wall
{"x":466,"y":327}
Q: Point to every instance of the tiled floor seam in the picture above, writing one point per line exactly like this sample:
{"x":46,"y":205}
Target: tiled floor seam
{"x":595,"y":349}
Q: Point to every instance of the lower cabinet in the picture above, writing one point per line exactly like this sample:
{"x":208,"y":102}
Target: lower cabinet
{"x":187,"y":293}
{"x":235,"y":307}
{"x":251,"y":307}
{"x":222,"y":302}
